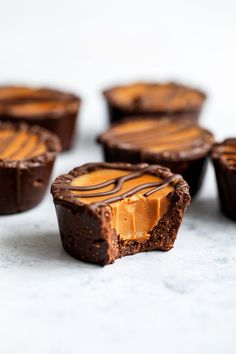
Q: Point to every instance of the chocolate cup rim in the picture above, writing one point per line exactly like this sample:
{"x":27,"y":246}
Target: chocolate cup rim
{"x":51,"y":140}
{"x":216,"y":154}
{"x":43,"y":115}
{"x":66,"y":97}
{"x":107,"y":93}
{"x":63,"y":197}
{"x":190,"y":155}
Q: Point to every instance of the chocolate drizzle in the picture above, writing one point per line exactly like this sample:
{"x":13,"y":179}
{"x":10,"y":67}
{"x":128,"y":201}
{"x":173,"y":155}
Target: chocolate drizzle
{"x":5,"y":143}
{"x":226,"y":152}
{"x":151,"y":97}
{"x":118,"y":182}
{"x":230,"y":156}
{"x":161,"y":136}
{"x":43,"y":146}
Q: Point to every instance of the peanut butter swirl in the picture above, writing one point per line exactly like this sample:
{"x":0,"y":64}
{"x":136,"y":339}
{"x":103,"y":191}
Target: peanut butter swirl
{"x":159,"y":136}
{"x":20,"y":144}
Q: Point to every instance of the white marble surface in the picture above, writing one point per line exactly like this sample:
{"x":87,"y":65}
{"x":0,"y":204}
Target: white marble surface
{"x":179,"y":302}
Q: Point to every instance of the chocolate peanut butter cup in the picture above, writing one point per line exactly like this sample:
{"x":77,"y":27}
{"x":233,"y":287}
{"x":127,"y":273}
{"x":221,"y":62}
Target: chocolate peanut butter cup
{"x":156,"y":99}
{"x":224,"y":160}
{"x":110,"y":210}
{"x":51,"y":109}
{"x":182,"y":146}
{"x":27,"y":156}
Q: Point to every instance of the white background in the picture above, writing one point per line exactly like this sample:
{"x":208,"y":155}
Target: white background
{"x":183,"y":301}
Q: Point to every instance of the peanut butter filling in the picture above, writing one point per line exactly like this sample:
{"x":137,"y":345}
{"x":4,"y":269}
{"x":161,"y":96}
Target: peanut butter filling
{"x":32,"y":108}
{"x":26,"y":101}
{"x":14,"y":92}
{"x":159,"y":136}
{"x":132,"y":217}
{"x":20,"y":145}
{"x":166,"y":96}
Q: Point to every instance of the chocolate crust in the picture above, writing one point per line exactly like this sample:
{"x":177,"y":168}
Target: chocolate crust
{"x":191,"y":164}
{"x":24,"y":183}
{"x":60,"y":122}
{"x":226,"y":179}
{"x":118,"y":111}
{"x":94,"y":240}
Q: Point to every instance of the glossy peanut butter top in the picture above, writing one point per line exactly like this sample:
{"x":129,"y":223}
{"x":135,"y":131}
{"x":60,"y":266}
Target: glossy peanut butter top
{"x":138,"y":199}
{"x":20,"y":101}
{"x":156,"y":97}
{"x":20,"y":144}
{"x":159,"y":136}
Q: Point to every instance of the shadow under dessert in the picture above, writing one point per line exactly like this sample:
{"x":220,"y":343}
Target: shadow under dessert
{"x":106,"y":211}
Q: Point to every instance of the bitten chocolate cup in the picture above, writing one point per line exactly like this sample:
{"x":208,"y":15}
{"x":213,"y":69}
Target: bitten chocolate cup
{"x":224,"y":160}
{"x":27,"y":156}
{"x":107,"y":211}
{"x":182,"y":146}
{"x":154,"y":99}
{"x":53,"y":110}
